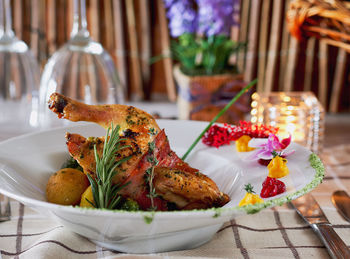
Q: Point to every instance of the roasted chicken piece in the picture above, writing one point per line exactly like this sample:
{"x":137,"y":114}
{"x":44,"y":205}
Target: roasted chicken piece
{"x":187,"y":190}
{"x":175,"y":183}
{"x":82,"y":150}
{"x":133,"y":121}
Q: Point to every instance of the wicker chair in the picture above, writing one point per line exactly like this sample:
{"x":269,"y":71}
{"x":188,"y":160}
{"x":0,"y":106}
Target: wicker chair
{"x":328,"y":20}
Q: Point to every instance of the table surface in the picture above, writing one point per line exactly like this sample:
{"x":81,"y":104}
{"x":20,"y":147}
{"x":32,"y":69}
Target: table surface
{"x":272,"y":233}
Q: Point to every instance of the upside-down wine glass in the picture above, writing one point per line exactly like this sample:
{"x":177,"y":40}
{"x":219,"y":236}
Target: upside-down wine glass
{"x":81,"y":69}
{"x":19,"y":79}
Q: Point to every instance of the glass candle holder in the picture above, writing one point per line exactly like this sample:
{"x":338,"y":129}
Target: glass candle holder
{"x":297,"y":113}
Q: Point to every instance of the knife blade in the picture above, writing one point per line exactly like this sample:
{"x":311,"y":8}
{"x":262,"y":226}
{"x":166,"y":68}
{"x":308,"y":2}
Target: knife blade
{"x":341,"y":201}
{"x":311,"y":212}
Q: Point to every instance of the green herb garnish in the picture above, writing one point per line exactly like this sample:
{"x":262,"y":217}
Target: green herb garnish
{"x":152,"y":191}
{"x":274,"y":154}
{"x":150,"y":174}
{"x":130,"y":205}
{"x":234,"y":99}
{"x":152,"y":131}
{"x":148,"y":218}
{"x":104,"y":192}
{"x":72,"y":163}
{"x":151,"y":146}
{"x":248,"y":188}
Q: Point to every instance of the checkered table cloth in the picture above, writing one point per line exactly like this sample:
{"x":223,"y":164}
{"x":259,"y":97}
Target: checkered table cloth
{"x":272,"y":233}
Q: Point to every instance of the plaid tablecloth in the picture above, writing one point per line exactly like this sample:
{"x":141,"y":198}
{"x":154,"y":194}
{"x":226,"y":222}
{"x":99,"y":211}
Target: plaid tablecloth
{"x":273,"y":233}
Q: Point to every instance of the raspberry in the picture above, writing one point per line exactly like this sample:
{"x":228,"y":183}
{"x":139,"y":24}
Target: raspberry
{"x":253,"y":131}
{"x":272,"y":187}
{"x":264,"y":162}
{"x":216,"y":136}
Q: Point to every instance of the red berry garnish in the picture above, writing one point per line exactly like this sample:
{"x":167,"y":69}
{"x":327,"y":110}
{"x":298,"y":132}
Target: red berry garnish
{"x":272,"y":187}
{"x":216,"y":136}
{"x":264,"y":162}
{"x":253,"y":131}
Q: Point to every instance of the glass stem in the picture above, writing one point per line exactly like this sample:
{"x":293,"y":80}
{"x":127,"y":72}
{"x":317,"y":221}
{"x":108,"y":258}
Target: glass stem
{"x":5,"y":19}
{"x":79,"y":20}
{"x":2,"y":30}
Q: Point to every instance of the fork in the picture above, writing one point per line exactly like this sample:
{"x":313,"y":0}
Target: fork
{"x":5,"y":209}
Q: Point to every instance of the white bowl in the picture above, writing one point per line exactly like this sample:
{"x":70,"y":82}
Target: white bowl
{"x":26,"y":163}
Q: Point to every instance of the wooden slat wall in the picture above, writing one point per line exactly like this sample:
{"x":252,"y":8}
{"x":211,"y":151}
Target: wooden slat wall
{"x":309,"y":63}
{"x":50,"y":28}
{"x":338,"y":81}
{"x":243,"y":32}
{"x":273,"y":54}
{"x":119,"y":52}
{"x":17,"y":12}
{"x":165,"y":47}
{"x":144,"y":43}
{"x":285,"y":51}
{"x":263,"y":43}
{"x":134,"y":54}
{"x":132,"y":31}
{"x":92,"y":14}
{"x":69,"y":17}
{"x":323,"y":73}
{"x":284,"y":64}
{"x":253,"y":40}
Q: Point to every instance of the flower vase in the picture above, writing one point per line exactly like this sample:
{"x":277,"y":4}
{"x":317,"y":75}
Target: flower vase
{"x":202,"y":97}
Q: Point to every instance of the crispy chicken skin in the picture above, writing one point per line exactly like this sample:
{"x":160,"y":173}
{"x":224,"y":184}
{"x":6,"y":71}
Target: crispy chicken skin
{"x":82,"y":150}
{"x":130,"y":119}
{"x":175,"y":182}
{"x":188,"y":190}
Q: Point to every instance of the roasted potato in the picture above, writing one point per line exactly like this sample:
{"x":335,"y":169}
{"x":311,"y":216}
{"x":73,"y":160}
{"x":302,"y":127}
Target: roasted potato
{"x":66,"y":186}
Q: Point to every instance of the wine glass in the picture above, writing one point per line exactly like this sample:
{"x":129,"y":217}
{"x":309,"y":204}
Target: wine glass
{"x":81,"y":69}
{"x":19,"y":79}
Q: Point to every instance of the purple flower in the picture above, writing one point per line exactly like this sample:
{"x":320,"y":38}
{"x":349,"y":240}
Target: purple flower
{"x":182,"y":17}
{"x":169,"y":3}
{"x":216,"y":17}
{"x":266,"y":147}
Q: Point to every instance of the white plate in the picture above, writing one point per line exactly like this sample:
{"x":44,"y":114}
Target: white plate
{"x":26,"y":163}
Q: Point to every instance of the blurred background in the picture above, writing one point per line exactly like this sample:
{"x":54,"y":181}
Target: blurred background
{"x":134,"y":31}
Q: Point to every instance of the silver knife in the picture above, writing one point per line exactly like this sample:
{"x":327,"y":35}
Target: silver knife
{"x":311,"y":212}
{"x":341,"y":201}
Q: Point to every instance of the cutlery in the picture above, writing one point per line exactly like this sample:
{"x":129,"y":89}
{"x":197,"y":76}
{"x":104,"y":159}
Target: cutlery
{"x":341,"y":201}
{"x":311,"y":212}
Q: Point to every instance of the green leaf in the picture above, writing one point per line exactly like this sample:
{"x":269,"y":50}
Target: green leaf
{"x":200,"y":55}
{"x":91,"y":203}
{"x":157,"y":58}
{"x":93,"y":189}
{"x":248,"y":188}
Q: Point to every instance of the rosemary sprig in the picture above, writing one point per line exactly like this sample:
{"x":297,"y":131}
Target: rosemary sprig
{"x":150,"y":174}
{"x":104,"y":192}
{"x":234,"y":99}
{"x":152,"y":191}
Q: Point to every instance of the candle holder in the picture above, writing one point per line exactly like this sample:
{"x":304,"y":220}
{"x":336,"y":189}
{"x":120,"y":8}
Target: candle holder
{"x":297,"y":113}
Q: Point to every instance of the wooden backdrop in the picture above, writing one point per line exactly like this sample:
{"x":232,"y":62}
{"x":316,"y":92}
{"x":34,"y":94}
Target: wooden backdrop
{"x":133,"y":31}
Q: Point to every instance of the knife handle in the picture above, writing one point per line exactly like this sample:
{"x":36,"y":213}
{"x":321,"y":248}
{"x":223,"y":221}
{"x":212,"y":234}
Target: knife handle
{"x":335,"y":246}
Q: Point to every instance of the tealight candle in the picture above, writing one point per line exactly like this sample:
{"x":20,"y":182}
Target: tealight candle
{"x":296,"y":113}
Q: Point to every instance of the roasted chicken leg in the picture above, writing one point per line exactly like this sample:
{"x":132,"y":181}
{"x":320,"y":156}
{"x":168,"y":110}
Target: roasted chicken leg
{"x":176,"y":183}
{"x":133,"y":121}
